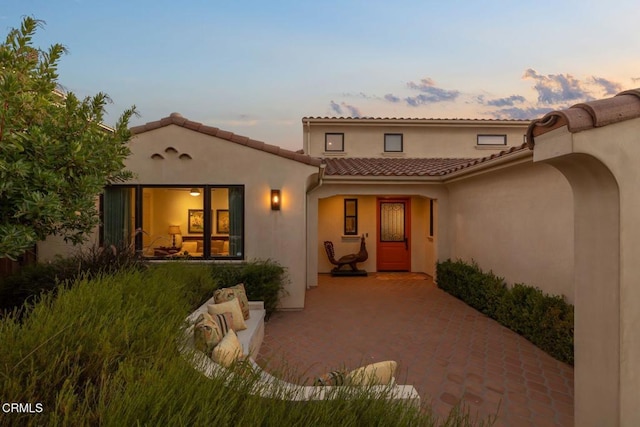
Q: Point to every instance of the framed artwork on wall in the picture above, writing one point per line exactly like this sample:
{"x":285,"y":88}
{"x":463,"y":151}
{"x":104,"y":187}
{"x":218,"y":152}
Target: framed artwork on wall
{"x":195,"y":221}
{"x":222,"y":221}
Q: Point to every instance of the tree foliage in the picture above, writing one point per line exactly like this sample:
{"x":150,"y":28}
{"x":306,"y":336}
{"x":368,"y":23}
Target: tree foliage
{"x":55,"y":154}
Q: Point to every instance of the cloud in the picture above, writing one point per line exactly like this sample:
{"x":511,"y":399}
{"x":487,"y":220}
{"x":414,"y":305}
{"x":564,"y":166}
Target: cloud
{"x":505,"y":102}
{"x":556,"y":88}
{"x":517,"y":113}
{"x":392,"y":98}
{"x":430,"y":93}
{"x":344,"y":109}
{"x":610,"y":88}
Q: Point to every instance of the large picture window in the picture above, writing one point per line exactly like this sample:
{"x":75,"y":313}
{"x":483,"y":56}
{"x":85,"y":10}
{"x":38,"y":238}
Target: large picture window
{"x":176,"y":221}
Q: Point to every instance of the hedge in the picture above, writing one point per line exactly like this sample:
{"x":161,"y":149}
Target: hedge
{"x":545,"y":320}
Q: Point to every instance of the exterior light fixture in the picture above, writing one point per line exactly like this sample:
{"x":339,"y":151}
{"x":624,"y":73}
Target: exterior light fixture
{"x":194,"y":192}
{"x":275,"y":200}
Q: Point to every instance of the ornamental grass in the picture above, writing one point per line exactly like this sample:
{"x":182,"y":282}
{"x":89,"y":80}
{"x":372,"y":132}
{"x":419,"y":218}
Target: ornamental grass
{"x":103,"y":351}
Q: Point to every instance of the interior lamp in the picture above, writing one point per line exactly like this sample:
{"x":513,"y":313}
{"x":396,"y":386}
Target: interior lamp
{"x":275,"y":200}
{"x":173,"y":230}
{"x":194,"y":192}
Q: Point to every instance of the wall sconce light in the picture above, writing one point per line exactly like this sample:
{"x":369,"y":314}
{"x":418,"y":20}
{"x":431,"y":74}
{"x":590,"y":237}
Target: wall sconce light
{"x":173,"y":230}
{"x":194,"y":192}
{"x":275,"y":200}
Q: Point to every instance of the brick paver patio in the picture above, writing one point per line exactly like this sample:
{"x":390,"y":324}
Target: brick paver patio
{"x":447,"y":350}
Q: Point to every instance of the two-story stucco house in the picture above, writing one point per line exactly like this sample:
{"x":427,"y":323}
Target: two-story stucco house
{"x":559,"y":212}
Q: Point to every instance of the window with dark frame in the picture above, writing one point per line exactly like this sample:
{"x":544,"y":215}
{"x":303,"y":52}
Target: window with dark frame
{"x":334,"y":142}
{"x":210,"y":226}
{"x":350,"y":217}
{"x":393,"y":143}
{"x":492,"y":140}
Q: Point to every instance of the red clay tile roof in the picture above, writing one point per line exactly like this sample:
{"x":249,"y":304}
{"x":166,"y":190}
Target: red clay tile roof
{"x":415,"y":119}
{"x":178,"y":120}
{"x":588,"y":115}
{"x":389,"y":167}
{"x":406,"y":167}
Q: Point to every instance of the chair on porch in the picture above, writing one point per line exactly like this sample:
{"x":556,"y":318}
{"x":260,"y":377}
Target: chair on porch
{"x":351,"y":260}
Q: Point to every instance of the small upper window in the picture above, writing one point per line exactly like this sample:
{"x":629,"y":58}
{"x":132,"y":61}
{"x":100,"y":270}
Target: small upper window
{"x":492,"y":139}
{"x":334,"y":142}
{"x":393,"y":142}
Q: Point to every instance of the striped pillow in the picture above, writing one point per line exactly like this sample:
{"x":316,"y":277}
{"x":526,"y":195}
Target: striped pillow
{"x":331,"y":378}
{"x":232,"y":306}
{"x":224,"y":321}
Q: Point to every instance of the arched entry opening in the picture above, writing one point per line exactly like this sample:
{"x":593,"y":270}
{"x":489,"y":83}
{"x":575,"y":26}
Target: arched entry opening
{"x":596,"y":287}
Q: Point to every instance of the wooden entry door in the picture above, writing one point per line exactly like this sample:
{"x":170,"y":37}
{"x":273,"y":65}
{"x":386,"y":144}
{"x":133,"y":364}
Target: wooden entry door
{"x":394,"y":235}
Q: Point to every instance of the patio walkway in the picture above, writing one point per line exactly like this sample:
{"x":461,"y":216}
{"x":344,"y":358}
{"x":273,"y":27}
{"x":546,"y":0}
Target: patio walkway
{"x":446,"y":349}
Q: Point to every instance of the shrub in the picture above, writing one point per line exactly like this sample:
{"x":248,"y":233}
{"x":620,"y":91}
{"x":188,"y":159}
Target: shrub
{"x":545,"y":320}
{"x":34,"y":280}
{"x":104,"y":352}
{"x":263,"y":280}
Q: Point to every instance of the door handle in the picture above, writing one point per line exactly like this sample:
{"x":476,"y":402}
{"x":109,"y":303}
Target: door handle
{"x":406,"y":244}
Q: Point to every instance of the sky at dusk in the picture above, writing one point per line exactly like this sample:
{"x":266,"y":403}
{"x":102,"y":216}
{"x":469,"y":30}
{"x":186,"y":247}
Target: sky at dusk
{"x":256,"y":68}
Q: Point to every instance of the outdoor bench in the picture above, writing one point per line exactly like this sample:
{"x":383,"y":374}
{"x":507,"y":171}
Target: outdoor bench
{"x":269,"y":386}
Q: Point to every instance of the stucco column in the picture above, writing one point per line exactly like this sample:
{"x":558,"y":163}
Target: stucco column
{"x":312,"y":240}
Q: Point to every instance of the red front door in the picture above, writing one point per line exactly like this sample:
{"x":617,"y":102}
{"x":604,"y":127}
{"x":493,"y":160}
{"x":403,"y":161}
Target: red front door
{"x":394,"y":235}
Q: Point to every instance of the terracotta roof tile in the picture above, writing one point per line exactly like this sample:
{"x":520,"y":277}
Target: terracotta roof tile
{"x":406,"y":167}
{"x":588,"y":115}
{"x":178,"y":120}
{"x":389,"y":166}
{"x":409,"y":119}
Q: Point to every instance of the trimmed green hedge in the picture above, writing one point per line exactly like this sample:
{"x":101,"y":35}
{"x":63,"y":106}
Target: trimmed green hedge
{"x":545,"y":320}
{"x":264,"y":280}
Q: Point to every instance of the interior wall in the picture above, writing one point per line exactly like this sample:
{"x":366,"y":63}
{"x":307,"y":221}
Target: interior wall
{"x":518,"y":222}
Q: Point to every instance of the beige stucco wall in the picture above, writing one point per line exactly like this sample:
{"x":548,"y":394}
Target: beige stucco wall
{"x":419,"y":140}
{"x":277,"y":235}
{"x":517,"y":222}
{"x":602,"y":165}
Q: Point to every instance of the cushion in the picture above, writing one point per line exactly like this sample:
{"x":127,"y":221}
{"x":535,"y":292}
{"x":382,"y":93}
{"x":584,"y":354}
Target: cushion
{"x":331,"y":378}
{"x":206,"y":333}
{"x":233,"y":307}
{"x":237,"y":291}
{"x":380,"y":373}
{"x":228,"y":351}
{"x":216,"y":246}
{"x":191,"y":247}
{"x":224,"y":322}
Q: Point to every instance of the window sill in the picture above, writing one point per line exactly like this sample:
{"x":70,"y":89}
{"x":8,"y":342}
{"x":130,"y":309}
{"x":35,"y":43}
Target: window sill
{"x":393,"y":154}
{"x":350,"y":237}
{"x":334,"y":153}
